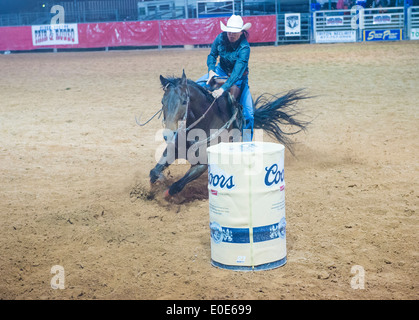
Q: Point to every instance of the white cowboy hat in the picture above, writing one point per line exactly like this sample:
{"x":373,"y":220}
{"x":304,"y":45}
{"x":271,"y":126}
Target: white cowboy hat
{"x":235,"y":24}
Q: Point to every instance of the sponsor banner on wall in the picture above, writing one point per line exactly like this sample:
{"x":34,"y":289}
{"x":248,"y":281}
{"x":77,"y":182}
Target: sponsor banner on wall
{"x":129,"y":33}
{"x":115,"y":34}
{"x":414,"y":34}
{"x":335,"y":36}
{"x":381,"y":18}
{"x":292,"y":25}
{"x":334,"y":21}
{"x":55,"y":34}
{"x":383,"y":35}
{"x":204,"y":31}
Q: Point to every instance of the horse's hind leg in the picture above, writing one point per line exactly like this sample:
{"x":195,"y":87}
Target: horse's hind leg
{"x":193,"y":173}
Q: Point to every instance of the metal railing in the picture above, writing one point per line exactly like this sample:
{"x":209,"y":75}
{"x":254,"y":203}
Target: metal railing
{"x":37,"y":18}
{"x":160,"y":10}
{"x":332,"y":20}
{"x":328,"y":23}
{"x":148,"y":10}
{"x":379,"y":18}
{"x":24,"y":19}
{"x":413,"y":23}
{"x":351,"y":25}
{"x":217,"y":8}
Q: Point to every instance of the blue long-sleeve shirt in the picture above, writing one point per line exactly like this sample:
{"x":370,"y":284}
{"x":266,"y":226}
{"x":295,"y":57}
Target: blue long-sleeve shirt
{"x":234,"y":63}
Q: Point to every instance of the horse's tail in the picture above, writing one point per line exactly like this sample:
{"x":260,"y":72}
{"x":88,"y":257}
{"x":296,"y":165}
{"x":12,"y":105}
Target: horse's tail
{"x":274,"y":113}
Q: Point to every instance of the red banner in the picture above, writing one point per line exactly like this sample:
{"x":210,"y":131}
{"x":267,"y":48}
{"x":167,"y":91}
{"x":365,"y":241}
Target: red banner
{"x":16,"y":38}
{"x":204,"y":31}
{"x":118,"y":34}
{"x":142,"y":33}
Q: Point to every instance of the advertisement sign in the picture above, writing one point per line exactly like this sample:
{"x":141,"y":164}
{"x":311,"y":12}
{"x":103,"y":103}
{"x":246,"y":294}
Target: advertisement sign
{"x":383,"y":35}
{"x":203,"y":31}
{"x":414,"y":34}
{"x":292,"y":25}
{"x":381,"y":18}
{"x":129,"y":33}
{"x":55,"y":34}
{"x":335,"y":36}
{"x":334,"y":21}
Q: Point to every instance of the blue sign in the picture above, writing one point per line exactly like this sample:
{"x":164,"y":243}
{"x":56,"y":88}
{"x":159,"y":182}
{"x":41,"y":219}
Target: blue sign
{"x":383,"y":35}
{"x":242,"y":235}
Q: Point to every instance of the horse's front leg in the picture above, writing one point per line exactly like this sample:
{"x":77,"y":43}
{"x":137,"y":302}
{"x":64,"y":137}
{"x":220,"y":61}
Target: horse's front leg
{"x":194,"y":172}
{"x":156,"y":172}
{"x":163,"y":163}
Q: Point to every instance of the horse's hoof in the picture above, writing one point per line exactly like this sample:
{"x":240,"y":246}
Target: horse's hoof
{"x":156,"y":178}
{"x":166,"y":194}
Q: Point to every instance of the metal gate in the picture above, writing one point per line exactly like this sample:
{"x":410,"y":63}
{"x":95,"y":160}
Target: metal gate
{"x":333,"y":25}
{"x":359,"y":24}
{"x":413,"y":23}
{"x":304,"y":26}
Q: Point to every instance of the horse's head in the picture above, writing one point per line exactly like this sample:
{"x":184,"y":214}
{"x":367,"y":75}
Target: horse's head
{"x":175,"y":103}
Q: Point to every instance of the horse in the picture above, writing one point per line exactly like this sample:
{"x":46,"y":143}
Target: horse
{"x":189,"y":110}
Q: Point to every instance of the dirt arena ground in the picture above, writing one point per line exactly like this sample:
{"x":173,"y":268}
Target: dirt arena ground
{"x":74,"y":171}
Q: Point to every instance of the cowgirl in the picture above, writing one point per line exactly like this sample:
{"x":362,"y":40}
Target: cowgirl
{"x":232,"y":48}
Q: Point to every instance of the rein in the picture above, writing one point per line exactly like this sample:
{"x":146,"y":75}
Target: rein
{"x":197,"y":144}
{"x":205,"y":113}
{"x":143,"y":124}
{"x":201,"y":117}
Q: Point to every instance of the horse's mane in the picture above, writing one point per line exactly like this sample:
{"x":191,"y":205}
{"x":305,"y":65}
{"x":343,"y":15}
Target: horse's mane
{"x":176,"y":81}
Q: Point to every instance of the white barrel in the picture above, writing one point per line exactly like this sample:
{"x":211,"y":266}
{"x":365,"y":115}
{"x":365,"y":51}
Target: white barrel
{"x":247,"y":205}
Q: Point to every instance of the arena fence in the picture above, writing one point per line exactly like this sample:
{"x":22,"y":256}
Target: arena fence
{"x":294,"y":28}
{"x":326,"y":26}
{"x":131,"y":33}
{"x":371,"y":24}
{"x":413,"y":23}
{"x":358,"y":24}
{"x":333,"y":26}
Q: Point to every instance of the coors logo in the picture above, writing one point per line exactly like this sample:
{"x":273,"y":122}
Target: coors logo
{"x":219,"y":179}
{"x":274,"y":175}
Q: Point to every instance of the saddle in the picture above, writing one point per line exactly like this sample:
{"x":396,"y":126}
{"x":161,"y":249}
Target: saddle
{"x":233,"y":98}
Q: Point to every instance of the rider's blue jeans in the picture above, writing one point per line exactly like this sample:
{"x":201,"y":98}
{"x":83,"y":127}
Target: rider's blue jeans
{"x":245,"y":100}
